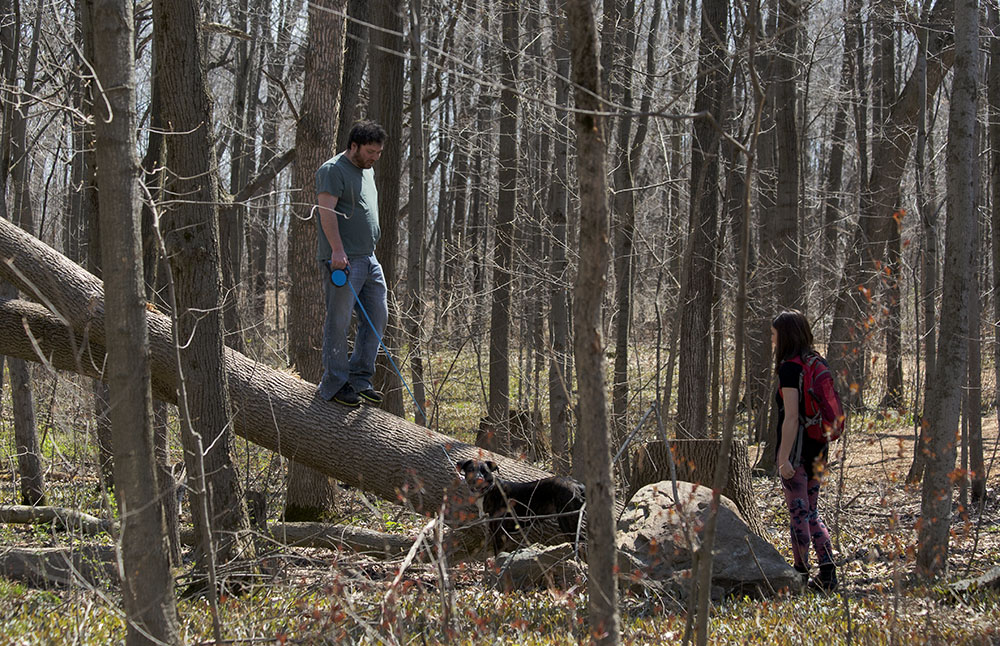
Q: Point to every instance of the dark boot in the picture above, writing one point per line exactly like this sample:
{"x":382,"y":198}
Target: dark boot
{"x":827,"y":579}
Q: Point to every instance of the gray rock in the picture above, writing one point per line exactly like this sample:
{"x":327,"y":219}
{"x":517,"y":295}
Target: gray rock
{"x":988,"y":581}
{"x":657,"y":540}
{"x":537,"y":566}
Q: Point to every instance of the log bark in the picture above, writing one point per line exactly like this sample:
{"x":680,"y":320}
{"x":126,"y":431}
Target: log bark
{"x":47,"y":567}
{"x":367,"y":448}
{"x":316,"y":535}
{"x":67,"y":519}
{"x":367,"y":542}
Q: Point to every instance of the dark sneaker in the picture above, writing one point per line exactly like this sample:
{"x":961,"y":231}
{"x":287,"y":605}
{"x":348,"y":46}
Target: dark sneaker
{"x":371,"y":396}
{"x":347,"y":397}
{"x":827,"y":579}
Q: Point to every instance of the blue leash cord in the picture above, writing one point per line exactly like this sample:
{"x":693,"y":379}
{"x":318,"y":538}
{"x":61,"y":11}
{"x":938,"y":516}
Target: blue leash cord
{"x":339,"y":278}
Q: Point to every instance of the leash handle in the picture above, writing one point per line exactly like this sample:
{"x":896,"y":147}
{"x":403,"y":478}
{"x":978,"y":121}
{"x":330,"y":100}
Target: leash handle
{"x":338,"y":276}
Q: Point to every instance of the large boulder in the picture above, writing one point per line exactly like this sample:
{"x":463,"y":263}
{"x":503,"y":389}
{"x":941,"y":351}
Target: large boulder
{"x":537,"y":566}
{"x":657,"y":538}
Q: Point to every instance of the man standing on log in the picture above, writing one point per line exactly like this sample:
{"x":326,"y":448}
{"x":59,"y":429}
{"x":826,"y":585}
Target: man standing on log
{"x":348,"y":229}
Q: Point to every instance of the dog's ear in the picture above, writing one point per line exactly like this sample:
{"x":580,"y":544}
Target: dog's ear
{"x":492,"y":466}
{"x":461,"y":466}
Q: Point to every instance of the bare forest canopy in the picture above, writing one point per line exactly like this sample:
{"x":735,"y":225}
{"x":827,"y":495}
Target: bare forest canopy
{"x":843,"y":105}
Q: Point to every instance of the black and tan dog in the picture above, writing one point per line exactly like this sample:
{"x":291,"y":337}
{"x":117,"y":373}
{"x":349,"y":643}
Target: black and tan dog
{"x":513,"y":506}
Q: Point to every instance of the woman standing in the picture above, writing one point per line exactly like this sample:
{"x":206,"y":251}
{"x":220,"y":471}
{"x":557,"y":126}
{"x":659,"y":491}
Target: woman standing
{"x":800,"y":458}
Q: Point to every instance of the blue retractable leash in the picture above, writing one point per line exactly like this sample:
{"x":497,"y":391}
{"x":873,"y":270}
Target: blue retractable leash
{"x":339,"y":278}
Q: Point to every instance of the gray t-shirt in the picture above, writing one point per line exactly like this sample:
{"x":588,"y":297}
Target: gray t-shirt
{"x":357,"y":207}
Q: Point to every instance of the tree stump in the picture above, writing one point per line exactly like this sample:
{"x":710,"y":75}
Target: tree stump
{"x":695,"y":461}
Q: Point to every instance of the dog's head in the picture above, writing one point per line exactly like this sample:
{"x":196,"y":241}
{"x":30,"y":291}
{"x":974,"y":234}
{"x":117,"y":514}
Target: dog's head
{"x":478,"y":474}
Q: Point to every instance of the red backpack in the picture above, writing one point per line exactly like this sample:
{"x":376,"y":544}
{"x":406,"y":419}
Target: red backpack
{"x":824,"y":413}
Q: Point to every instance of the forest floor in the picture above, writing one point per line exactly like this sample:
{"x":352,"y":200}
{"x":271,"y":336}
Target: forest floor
{"x":322,"y":596}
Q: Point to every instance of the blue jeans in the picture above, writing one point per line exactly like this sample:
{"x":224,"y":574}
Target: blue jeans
{"x":366,"y":278}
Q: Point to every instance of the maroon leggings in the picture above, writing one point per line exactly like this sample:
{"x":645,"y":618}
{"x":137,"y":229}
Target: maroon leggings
{"x":801,"y":495}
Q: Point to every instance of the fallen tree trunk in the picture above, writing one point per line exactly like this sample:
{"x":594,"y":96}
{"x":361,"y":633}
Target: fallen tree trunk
{"x":66,"y":519}
{"x":388,"y":456}
{"x":318,"y":535}
{"x":88,"y":566}
{"x":367,"y":542}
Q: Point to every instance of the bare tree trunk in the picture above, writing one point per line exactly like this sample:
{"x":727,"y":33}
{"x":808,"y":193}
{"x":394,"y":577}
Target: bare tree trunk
{"x":946,"y":395}
{"x":21,"y":162}
{"x":993,"y":97}
{"x":675,"y":158}
{"x":444,"y":230}
{"x":503,"y":245}
{"x":480,"y":169}
{"x":973,"y":412}
{"x":98,"y":389}
{"x":455,"y":264}
{"x":623,"y":209}
{"x":695,"y":319}
{"x":80,"y":190}
{"x":147,"y":584}
{"x":833,"y":201}
{"x":355,"y":61}
{"x":166,"y":485}
{"x":884,"y":82}
{"x":385,"y":105}
{"x":275,"y":60}
{"x":191,"y":229}
{"x":416,"y":218}
{"x":712,"y":88}
{"x":560,"y":366}
{"x":310,"y":494}
{"x":29,"y":463}
{"x":787,"y":279}
{"x":731,"y":468}
{"x":893,"y":397}
{"x":761,"y":298}
{"x":232,"y":215}
{"x":154,"y":278}
{"x":588,"y":342}
{"x":537,"y":148}
{"x":929,"y":248}
{"x":13,"y":148}
{"x":452,"y":263}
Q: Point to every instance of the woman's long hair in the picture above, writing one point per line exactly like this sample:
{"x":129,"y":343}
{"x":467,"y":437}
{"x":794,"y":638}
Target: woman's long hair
{"x":795,"y":338}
